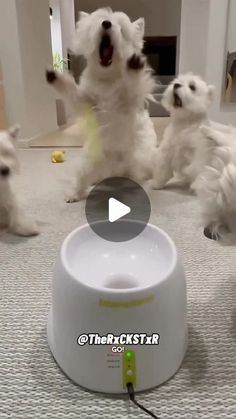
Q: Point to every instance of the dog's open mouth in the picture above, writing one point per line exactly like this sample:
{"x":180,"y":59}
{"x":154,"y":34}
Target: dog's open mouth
{"x":177,"y":101}
{"x":106,"y":51}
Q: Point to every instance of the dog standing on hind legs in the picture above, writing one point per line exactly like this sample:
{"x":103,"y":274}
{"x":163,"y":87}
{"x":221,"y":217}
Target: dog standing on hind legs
{"x":115,"y":86}
{"x":11,"y":215}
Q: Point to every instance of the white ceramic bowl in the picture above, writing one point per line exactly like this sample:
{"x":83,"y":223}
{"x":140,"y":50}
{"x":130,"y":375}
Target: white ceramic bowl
{"x":102,"y":287}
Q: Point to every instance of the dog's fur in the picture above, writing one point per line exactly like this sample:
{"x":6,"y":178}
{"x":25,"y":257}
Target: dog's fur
{"x":216,"y":185}
{"x":11,"y":216}
{"x":182,"y":151}
{"x":199,"y":153}
{"x":115,"y":86}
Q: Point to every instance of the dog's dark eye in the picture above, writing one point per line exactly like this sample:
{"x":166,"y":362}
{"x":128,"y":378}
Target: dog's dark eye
{"x":192,"y":87}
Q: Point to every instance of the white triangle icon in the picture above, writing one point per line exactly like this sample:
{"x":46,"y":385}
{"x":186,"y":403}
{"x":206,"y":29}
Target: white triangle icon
{"x":117,"y":210}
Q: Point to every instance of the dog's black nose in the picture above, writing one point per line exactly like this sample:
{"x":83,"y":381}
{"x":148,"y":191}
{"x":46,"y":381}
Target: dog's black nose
{"x":177,"y":86}
{"x":4,"y":171}
{"x":106,"y":24}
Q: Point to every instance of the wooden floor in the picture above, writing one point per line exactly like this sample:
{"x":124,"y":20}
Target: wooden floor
{"x":64,"y":137}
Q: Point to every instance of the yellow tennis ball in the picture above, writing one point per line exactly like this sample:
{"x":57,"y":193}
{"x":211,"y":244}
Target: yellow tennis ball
{"x":58,"y":156}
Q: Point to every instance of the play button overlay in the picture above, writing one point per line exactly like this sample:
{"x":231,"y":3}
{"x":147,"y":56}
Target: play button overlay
{"x":117,"y":209}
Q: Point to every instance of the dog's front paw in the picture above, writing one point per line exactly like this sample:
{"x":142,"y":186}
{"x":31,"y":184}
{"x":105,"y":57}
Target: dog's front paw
{"x":211,"y":234}
{"x":155,"y":184}
{"x":72,"y":199}
{"x":136,"y":62}
{"x":25,"y":229}
{"x":51,"y":76}
{"x":76,"y":197}
{"x":206,"y":130}
{"x":216,"y":231}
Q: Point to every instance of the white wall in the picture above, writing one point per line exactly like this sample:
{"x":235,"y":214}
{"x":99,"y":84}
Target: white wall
{"x":203,"y":49}
{"x":25,"y":51}
{"x":193,"y":35}
{"x":11,"y":63}
{"x":162,"y":17}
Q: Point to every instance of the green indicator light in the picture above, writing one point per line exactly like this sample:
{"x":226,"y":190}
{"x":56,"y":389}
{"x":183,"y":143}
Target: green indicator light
{"x":129,"y":368}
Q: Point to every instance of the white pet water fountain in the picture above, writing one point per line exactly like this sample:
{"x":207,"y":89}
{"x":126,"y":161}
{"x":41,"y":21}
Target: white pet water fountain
{"x":133,"y":287}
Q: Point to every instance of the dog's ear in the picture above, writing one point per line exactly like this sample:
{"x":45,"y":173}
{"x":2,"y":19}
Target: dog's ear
{"x":139,"y":26}
{"x":211,"y":92}
{"x":78,"y":41}
{"x":14,"y":131}
{"x":82,"y":15}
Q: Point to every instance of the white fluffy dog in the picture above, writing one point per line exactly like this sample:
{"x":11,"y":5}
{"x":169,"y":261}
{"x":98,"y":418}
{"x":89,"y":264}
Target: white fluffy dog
{"x":216,"y":185}
{"x":199,"y":153}
{"x":182,"y":153}
{"x":115,"y":87}
{"x":11,"y":216}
